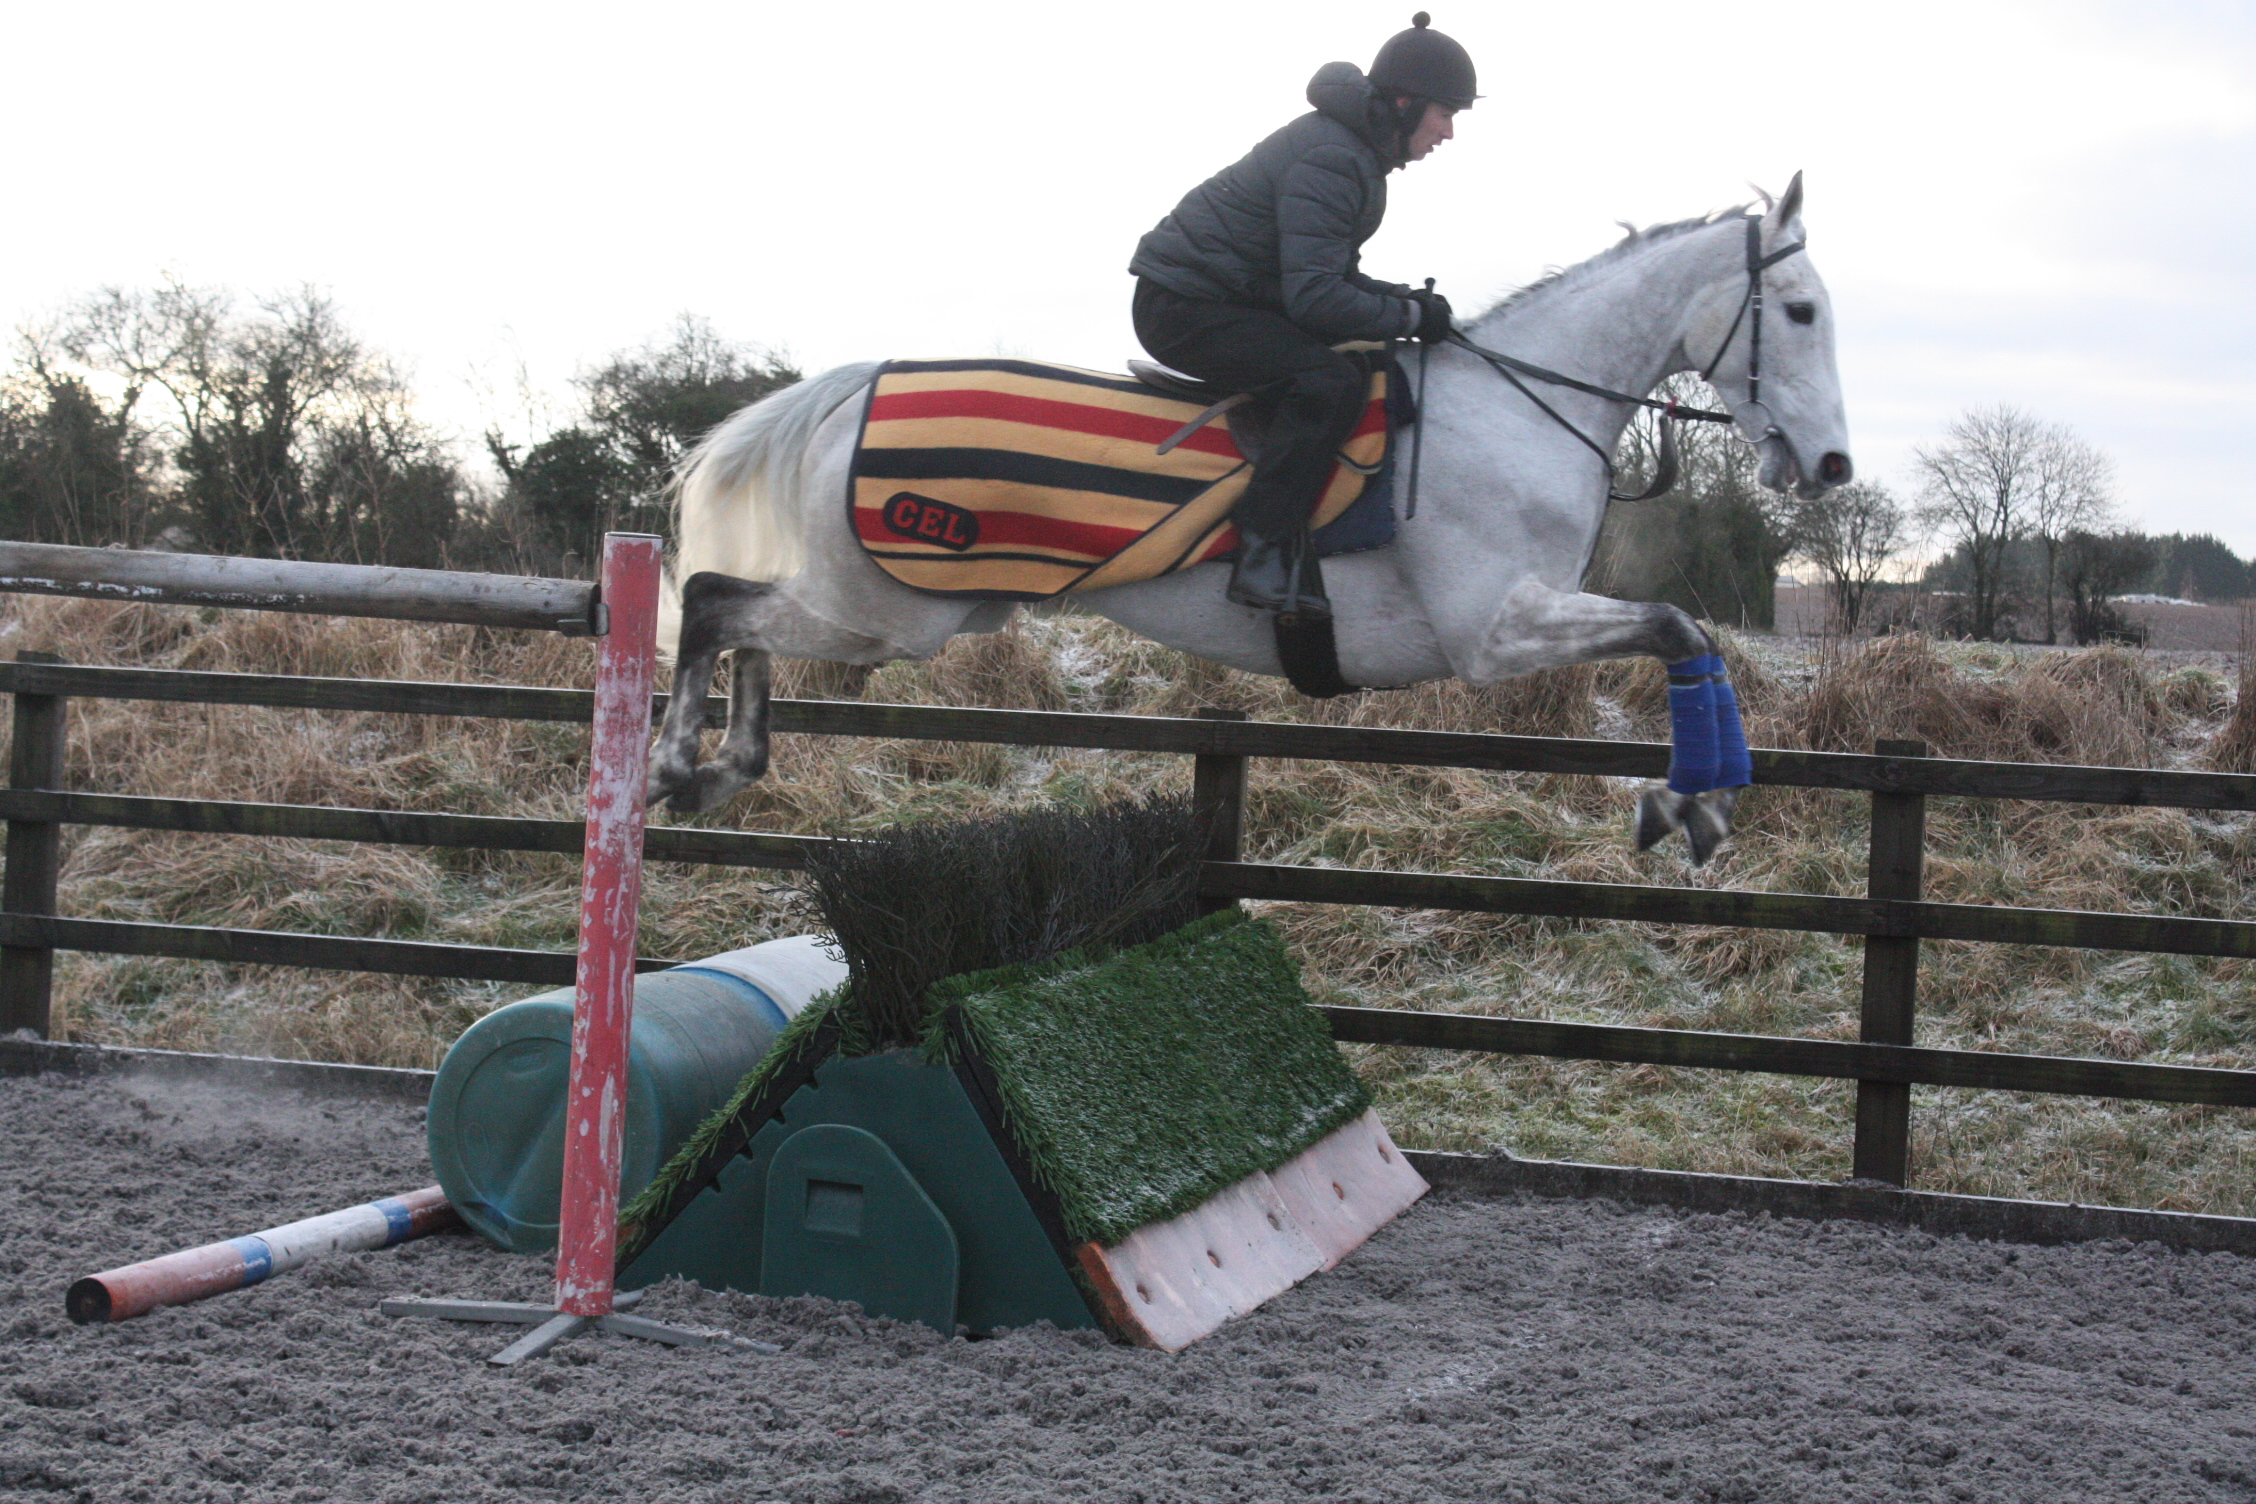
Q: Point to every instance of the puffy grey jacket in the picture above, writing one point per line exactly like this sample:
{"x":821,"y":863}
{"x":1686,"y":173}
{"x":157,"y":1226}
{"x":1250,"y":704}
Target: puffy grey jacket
{"x":1284,"y":227}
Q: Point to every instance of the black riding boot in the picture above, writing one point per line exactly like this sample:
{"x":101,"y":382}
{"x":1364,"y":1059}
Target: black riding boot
{"x":1278,"y":574}
{"x":1318,"y":397}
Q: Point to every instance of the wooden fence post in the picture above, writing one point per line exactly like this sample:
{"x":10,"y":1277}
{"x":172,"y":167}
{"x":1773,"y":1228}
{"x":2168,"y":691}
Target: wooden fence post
{"x":35,"y":858}
{"x":1891,"y":976}
{"x":1218,"y":788}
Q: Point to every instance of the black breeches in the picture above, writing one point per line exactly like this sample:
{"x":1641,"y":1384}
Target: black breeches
{"x":1317,"y":394}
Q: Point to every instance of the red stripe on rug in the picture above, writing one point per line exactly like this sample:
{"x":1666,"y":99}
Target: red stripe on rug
{"x":1224,"y":542}
{"x":1018,"y":529}
{"x":1043,"y":412}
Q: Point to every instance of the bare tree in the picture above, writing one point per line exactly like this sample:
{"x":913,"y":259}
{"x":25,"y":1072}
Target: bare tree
{"x":168,"y":337}
{"x":2095,"y":568}
{"x":644,"y":409}
{"x":1999,"y":476}
{"x":2068,"y":496}
{"x":289,"y":437}
{"x":1850,"y":533}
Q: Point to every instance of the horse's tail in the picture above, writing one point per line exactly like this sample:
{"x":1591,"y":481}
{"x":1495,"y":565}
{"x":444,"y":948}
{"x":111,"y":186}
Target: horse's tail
{"x":738,"y":497}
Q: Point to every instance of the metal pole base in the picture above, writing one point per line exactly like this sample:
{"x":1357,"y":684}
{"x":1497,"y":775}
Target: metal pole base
{"x":551,"y":1326}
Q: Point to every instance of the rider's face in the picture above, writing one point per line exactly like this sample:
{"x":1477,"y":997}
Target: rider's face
{"x":1437,"y":126}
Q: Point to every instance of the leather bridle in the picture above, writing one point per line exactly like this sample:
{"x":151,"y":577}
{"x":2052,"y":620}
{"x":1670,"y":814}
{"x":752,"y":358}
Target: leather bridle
{"x":1752,"y":412}
{"x":1751,"y":417}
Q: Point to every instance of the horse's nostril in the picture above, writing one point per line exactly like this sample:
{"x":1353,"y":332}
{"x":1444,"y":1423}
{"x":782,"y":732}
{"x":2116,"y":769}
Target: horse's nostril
{"x":1835,"y":468}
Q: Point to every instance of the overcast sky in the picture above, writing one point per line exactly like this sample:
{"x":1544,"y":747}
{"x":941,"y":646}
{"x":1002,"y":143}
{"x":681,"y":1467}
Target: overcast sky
{"x":2043,"y":204}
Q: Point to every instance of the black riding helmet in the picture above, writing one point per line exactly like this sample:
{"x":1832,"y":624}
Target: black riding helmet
{"x":1425,"y":64}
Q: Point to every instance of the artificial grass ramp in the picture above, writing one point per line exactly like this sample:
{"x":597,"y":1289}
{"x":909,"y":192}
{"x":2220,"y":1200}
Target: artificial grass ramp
{"x":1140,"y":1084}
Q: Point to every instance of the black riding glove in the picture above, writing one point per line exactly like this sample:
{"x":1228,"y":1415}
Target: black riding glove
{"x":1435,"y":321}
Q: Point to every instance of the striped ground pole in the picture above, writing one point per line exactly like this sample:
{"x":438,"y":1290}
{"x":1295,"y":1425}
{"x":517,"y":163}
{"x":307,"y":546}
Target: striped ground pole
{"x":610,"y":898}
{"x":193,"y":1273}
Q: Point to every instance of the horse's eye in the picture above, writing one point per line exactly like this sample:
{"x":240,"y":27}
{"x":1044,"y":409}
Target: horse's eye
{"x":1802,"y":313}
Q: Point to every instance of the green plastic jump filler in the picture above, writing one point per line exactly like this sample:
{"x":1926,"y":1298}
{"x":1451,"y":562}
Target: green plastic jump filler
{"x":1150,"y":1142}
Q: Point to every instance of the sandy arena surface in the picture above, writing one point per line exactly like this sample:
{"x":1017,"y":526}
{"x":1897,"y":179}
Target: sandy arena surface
{"x":1476,"y":1350}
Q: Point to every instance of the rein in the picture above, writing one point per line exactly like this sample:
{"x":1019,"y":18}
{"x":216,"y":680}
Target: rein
{"x":1751,"y":418}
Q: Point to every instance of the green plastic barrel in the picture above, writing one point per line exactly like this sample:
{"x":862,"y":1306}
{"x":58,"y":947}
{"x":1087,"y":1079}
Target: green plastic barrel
{"x":496,"y":1120}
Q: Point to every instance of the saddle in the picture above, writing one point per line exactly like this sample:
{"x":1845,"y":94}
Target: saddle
{"x":1020,"y":480}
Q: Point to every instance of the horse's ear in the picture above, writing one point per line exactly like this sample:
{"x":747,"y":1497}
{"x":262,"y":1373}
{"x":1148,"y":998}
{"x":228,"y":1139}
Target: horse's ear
{"x":1790,"y":207}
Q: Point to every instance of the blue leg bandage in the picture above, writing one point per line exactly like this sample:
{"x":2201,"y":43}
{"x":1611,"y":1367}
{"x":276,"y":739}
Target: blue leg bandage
{"x":1692,"y":724}
{"x":1735,"y":767}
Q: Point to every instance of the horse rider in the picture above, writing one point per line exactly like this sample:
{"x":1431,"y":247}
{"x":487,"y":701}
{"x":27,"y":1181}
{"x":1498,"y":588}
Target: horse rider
{"x":1254,"y":276}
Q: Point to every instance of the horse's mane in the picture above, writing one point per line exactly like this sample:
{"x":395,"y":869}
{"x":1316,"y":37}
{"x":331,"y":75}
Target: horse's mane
{"x":1635,"y":240}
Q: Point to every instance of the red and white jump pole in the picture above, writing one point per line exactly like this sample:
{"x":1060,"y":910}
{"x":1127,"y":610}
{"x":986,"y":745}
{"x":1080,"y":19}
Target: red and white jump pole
{"x":610,"y":902}
{"x":626,"y":629}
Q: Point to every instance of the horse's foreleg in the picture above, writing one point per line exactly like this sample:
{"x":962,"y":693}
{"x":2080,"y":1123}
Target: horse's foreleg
{"x":1538,"y":628}
{"x":1709,"y":763}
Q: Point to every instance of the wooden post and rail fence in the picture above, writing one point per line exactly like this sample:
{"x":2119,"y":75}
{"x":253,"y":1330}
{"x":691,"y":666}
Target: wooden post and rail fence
{"x":1892,"y":918}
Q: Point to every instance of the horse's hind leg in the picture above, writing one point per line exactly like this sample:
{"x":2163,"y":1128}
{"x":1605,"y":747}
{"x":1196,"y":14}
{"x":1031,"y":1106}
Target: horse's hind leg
{"x":743,"y":753}
{"x":741,"y":760}
{"x":751,"y":621}
{"x":714,"y":608}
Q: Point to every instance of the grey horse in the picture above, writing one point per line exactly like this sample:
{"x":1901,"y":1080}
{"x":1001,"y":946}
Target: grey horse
{"x":1483,"y":583}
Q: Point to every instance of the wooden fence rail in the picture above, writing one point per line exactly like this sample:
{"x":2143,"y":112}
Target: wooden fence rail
{"x":1215,"y":737}
{"x":301,"y":585}
{"x":1892,"y":918}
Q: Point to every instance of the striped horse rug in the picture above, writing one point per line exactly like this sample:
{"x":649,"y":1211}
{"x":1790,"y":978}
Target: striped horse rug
{"x":1014,"y":480}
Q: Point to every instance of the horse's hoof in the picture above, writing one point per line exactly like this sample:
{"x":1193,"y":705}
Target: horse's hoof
{"x":713,"y":785}
{"x":1660,"y":811}
{"x":684,"y":793}
{"x":663,"y":784}
{"x":1707,"y":822}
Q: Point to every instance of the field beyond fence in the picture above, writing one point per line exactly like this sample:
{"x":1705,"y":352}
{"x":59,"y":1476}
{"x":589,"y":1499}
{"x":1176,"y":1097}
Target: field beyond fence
{"x":1614,"y":1008}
